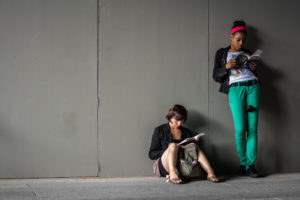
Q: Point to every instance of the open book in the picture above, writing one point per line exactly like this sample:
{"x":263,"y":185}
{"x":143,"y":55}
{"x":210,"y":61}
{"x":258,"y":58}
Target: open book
{"x":191,"y":139}
{"x":244,"y":59}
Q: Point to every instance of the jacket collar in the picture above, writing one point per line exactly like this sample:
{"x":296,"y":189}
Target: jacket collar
{"x":168,"y":131}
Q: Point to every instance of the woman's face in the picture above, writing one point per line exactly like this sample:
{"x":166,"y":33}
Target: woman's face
{"x":174,"y":123}
{"x":237,"y":41}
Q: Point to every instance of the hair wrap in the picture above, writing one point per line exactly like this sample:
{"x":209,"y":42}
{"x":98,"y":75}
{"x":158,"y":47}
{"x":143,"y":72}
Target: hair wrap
{"x":238,"y":28}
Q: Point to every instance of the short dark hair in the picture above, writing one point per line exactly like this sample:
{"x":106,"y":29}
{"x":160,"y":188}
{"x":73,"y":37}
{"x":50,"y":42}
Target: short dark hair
{"x":178,"y":112}
{"x":239,"y":23}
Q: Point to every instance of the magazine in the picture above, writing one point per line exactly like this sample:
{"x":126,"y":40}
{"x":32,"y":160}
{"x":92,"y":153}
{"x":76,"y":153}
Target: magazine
{"x":191,"y":139}
{"x":244,"y":59}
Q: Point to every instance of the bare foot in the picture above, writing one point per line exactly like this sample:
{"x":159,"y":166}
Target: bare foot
{"x":174,"y":178}
{"x":212,"y":178}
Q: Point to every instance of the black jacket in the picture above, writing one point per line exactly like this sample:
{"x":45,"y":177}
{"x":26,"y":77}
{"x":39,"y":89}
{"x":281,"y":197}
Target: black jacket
{"x":220,"y":73}
{"x":161,"y":139}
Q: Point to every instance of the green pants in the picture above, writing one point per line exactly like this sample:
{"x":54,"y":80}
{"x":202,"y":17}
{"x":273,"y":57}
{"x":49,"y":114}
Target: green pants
{"x":245,"y":122}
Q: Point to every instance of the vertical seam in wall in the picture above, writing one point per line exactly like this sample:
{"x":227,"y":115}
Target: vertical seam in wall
{"x":208,"y":60}
{"x":98,"y":97}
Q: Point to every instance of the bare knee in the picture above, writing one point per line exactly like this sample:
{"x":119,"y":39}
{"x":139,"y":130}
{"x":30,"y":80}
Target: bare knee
{"x":200,"y":151}
{"x":201,"y":154}
{"x":173,"y":146}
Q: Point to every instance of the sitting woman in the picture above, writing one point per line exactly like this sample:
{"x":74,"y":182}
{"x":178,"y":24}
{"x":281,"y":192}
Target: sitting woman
{"x":164,"y":146}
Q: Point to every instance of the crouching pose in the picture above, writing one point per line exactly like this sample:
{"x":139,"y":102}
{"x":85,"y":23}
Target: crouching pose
{"x":164,"y":148}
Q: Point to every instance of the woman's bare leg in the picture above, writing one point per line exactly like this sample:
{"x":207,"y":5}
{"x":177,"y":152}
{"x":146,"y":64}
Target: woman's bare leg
{"x":206,"y":166}
{"x":169,"y":159}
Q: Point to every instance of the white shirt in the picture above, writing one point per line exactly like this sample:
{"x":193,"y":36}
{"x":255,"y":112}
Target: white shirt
{"x":238,"y":74}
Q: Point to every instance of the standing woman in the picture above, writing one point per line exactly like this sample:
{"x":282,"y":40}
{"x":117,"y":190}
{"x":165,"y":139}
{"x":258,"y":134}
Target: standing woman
{"x":241,"y":85}
{"x":164,"y":148}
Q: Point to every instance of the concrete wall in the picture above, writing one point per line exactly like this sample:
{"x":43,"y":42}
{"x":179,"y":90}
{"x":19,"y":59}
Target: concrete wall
{"x":142,"y":56}
{"x":153,"y":54}
{"x":48,"y":88}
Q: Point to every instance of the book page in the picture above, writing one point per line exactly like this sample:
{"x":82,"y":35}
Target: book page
{"x":191,"y":139}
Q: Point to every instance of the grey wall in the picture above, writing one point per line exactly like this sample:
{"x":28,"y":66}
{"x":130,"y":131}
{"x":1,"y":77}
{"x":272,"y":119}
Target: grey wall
{"x":138,"y":58}
{"x":48,"y":88}
{"x":153,"y":54}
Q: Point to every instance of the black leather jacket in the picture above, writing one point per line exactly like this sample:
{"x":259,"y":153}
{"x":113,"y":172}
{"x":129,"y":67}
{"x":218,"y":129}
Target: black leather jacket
{"x":161,"y":139}
{"x":220,"y":73}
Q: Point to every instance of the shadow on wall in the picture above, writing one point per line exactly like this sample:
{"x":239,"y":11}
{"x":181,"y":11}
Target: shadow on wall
{"x":215,"y":154}
{"x":223,"y":154}
{"x":272,"y":112}
{"x":197,"y":123}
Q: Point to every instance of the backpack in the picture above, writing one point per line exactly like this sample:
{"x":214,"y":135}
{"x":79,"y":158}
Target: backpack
{"x":187,"y":163}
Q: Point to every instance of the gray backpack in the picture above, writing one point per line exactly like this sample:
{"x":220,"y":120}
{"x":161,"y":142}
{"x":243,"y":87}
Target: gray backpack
{"x":187,"y":163}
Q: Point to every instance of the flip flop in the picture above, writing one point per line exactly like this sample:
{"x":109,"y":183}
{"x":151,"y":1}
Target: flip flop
{"x":213,"y":179}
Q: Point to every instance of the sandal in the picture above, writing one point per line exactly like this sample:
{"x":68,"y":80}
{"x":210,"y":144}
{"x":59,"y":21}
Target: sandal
{"x":213,"y":178}
{"x":176,"y":181}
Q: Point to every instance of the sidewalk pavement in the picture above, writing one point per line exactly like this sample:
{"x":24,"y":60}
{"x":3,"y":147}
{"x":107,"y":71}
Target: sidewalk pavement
{"x":272,"y":187}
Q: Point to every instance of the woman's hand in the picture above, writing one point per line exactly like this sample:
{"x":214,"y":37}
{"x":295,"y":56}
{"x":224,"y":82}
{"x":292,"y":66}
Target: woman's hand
{"x":231,"y":63}
{"x":252,"y":66}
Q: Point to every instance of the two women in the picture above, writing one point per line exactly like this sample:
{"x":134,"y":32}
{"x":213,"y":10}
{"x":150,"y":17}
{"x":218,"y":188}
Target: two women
{"x":164,"y":146}
{"x":241,"y":85}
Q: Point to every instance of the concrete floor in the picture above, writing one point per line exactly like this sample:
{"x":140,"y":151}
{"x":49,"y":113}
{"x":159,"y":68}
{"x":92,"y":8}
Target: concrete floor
{"x":275,"y":187}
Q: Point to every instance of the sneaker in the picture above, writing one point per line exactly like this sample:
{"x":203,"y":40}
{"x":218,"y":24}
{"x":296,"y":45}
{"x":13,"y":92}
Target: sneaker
{"x":252,"y":172}
{"x":242,"y":171}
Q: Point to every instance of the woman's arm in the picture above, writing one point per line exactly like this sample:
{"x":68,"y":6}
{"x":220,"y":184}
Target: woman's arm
{"x":155,"y":151}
